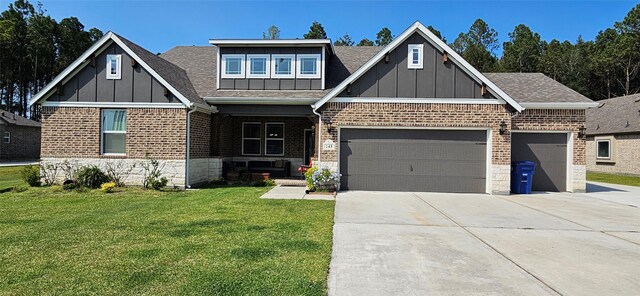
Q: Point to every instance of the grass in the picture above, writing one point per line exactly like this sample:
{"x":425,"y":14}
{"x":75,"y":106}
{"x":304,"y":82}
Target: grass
{"x":10,"y":177}
{"x":211,"y":241}
{"x":614,"y":178}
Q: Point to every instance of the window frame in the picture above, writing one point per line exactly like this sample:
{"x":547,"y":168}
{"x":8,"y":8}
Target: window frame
{"x":223,"y":65}
{"x":274,"y":57}
{"x":267,"y":66}
{"x":103,"y":132}
{"x":608,"y":157}
{"x":420,"y":64}
{"x":243,"y":138}
{"x":299,"y":58}
{"x":118,"y":58}
{"x":266,"y":138}
{"x":6,"y":138}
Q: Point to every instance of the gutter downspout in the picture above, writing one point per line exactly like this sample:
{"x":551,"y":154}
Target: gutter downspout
{"x":313,"y":108}
{"x":186,"y":174}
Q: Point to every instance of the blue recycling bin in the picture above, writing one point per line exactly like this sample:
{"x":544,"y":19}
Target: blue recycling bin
{"x":522,"y":176}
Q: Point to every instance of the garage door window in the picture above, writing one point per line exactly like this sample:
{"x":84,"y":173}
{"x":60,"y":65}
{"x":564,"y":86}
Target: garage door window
{"x":604,"y":149}
{"x":275,"y":139}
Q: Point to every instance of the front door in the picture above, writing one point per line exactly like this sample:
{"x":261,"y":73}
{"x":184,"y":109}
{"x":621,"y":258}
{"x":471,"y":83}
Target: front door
{"x":309,"y":145}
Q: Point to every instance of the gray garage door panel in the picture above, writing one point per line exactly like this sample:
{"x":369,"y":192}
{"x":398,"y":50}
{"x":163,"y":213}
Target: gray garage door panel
{"x":549,"y":152}
{"x":413,"y":160}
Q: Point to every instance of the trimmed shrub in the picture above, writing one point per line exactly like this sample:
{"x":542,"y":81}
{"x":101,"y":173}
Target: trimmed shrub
{"x":31,"y":175}
{"x":91,"y":177}
{"x":264,"y":183}
{"x":108,"y":187}
{"x":157,"y":184}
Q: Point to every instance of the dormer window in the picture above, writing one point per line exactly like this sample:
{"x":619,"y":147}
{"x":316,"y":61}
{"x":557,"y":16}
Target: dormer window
{"x":309,"y":66}
{"x":283,"y":66}
{"x":233,"y":66}
{"x":415,"y":56}
{"x":114,"y":62}
{"x":258,"y":66}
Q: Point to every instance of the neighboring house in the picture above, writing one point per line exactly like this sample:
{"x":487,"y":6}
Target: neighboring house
{"x":410,"y":116}
{"x":613,"y":136}
{"x":19,"y":137}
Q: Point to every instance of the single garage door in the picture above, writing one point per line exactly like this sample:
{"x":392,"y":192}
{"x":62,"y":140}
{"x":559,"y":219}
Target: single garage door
{"x":413,"y":160}
{"x":549,"y":152}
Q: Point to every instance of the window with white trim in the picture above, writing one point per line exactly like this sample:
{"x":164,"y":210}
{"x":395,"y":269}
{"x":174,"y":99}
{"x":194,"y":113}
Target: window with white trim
{"x":7,"y":138}
{"x":251,"y":138}
{"x":603,"y":149}
{"x":308,"y":65}
{"x":114,"y":64}
{"x":114,"y":131}
{"x":283,"y":66}
{"x":415,"y":56}
{"x":274,"y":136}
{"x":258,"y":65}
{"x":233,"y":65}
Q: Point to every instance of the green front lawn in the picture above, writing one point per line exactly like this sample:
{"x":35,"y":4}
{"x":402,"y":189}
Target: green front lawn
{"x":211,"y":241}
{"x":10,"y":177}
{"x":614,"y":178}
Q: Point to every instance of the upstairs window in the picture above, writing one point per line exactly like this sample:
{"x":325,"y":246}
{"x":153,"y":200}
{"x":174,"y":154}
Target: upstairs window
{"x":251,"y":138}
{"x":233,"y":66}
{"x":604,"y":149}
{"x":258,"y":66}
{"x":114,"y":131}
{"x":309,"y":66}
{"x":7,"y":138}
{"x":415,"y":56}
{"x":114,"y":63}
{"x":283,"y":66}
{"x":274,"y":136}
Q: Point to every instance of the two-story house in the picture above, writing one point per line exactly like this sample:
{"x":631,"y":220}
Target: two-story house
{"x":409,"y":116}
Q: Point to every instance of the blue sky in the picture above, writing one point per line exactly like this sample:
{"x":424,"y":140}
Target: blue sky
{"x":160,"y":25}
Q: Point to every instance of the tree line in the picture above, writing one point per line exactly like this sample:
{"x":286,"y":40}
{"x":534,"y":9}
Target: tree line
{"x":606,"y":67}
{"x":34,"y":48}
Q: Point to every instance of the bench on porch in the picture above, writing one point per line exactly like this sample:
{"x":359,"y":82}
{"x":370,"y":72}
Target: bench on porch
{"x":275,"y":168}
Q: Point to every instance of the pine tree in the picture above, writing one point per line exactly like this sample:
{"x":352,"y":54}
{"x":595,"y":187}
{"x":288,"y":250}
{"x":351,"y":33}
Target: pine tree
{"x":384,"y":37}
{"x":316,"y":31}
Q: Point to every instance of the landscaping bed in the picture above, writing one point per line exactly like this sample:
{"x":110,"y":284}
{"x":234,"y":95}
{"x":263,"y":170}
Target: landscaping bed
{"x":221,"y":240}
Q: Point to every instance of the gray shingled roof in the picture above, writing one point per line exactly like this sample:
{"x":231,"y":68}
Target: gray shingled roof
{"x":174,"y":75}
{"x":200,"y":64}
{"x":617,"y":115}
{"x":13,"y":119}
{"x":535,"y":88}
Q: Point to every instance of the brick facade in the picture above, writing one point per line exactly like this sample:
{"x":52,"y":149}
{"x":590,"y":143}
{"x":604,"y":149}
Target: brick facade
{"x":559,"y":120}
{"x":200,"y":141}
{"x":24,"y":143}
{"x":625,"y":154}
{"x":75,"y":133}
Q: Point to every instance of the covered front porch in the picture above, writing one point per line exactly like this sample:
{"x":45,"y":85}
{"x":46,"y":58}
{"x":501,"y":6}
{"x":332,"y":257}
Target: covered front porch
{"x":273,"y":139}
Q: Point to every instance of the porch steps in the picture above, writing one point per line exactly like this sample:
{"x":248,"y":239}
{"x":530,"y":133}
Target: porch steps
{"x":291,"y":182}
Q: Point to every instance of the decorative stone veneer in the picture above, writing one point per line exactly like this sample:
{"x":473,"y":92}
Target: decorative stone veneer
{"x":500,"y":179}
{"x":625,"y":152}
{"x":75,"y":132}
{"x":174,"y":170}
{"x":579,"y":178}
{"x":203,"y":170}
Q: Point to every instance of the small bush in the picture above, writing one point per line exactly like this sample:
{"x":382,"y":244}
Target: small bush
{"x":91,"y":177}
{"x":49,"y":173}
{"x":108,"y":187}
{"x":158,"y":184}
{"x":31,"y":175}
{"x":308,"y":176}
{"x":69,"y":185}
{"x":265,"y":183}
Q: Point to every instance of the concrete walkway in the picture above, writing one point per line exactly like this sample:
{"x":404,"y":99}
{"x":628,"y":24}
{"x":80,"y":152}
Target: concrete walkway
{"x":459,"y":244}
{"x":293,"y":192}
{"x":18,"y":163}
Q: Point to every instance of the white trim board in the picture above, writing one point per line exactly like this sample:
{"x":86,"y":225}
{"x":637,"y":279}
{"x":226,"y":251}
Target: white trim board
{"x":260,"y":100}
{"x":417,"y":100}
{"x":434,"y":40}
{"x":561,"y":105}
{"x":113,"y":105}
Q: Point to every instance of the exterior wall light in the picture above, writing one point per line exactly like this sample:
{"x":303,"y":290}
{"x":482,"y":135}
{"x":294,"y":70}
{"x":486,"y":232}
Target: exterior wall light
{"x":503,"y":127}
{"x":582,"y":132}
{"x":327,"y":121}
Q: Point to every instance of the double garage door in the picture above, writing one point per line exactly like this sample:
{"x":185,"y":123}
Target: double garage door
{"x":413,"y":160}
{"x":442,"y":160}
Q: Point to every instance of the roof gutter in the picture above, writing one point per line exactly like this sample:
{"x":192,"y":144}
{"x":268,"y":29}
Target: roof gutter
{"x":560,"y":105}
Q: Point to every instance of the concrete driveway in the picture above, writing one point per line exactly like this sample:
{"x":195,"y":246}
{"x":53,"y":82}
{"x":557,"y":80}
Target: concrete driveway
{"x":388,"y":243}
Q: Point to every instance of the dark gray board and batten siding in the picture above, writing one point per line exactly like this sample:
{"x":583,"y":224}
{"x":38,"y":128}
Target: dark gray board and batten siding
{"x":270,"y":83}
{"x":437,"y":79}
{"x":90,"y":84}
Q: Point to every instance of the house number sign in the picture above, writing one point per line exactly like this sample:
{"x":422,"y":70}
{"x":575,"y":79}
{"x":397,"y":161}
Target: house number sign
{"x":329,"y":145}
